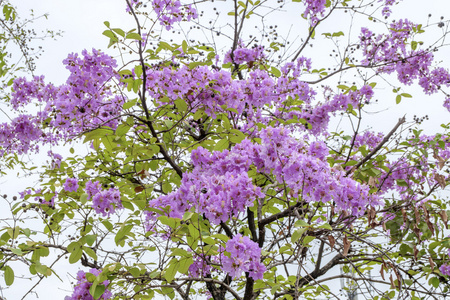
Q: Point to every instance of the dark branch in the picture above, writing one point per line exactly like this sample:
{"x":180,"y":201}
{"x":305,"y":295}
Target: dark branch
{"x":378,"y":147}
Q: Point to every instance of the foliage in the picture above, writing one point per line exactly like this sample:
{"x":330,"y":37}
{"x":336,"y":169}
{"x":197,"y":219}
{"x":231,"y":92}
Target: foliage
{"x":212,"y":169}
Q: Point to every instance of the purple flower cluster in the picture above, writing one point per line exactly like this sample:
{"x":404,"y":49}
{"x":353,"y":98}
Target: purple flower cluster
{"x":409,"y":64}
{"x":445,"y":269}
{"x":368,"y":138}
{"x":447,"y":103}
{"x":244,"y":55}
{"x":314,"y":9}
{"x":133,"y":4}
{"x":27,"y":91}
{"x":171,"y":11}
{"x":20,"y":135}
{"x":81,"y":290}
{"x":218,"y":187}
{"x":309,"y":176}
{"x":84,"y":102}
{"x":194,"y":86}
{"x":433,"y":81}
{"x":201,"y":266}
{"x":71,"y":185}
{"x":386,"y":11}
{"x":244,"y":256}
{"x":300,"y":66}
{"x":408,"y":178}
{"x":318,"y":116}
{"x":209,"y":90}
{"x":40,"y":195}
{"x":104,"y":202}
{"x":56,"y":158}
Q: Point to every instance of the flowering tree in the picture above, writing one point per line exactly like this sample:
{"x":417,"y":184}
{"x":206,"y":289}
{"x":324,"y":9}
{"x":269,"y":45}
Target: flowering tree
{"x":212,"y":169}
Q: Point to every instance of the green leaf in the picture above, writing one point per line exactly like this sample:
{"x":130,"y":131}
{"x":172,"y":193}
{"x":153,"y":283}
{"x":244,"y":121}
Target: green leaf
{"x":179,"y":252}
{"x":184,"y":265}
{"x":198,"y":114}
{"x":187,"y":215}
{"x":165,"y":46}
{"x":221,"y":145}
{"x":44,"y":252}
{"x":9,"y":275}
{"x":90,"y":239}
{"x":108,"y":143}
{"x":398,"y":99}
{"x":97,"y":290}
{"x":138,"y":70}
{"x":171,"y":271}
{"x":43,"y":269}
{"x":129,"y":104}
{"x":133,"y":36}
{"x":194,"y":232}
{"x":97,"y":133}
{"x":301,"y":223}
{"x":237,"y":137}
{"x":122,"y":129}
{"x":75,"y":255}
{"x":184,"y":46}
{"x":107,"y":225}
{"x":90,"y":252}
{"x":181,"y":105}
{"x":195,"y":64}
{"x":166,"y":187}
{"x":434,"y":281}
{"x":121,"y":234}
{"x":296,"y":235}
{"x":84,"y":198}
{"x":119,"y":32}
{"x":16,"y":251}
{"x":406,"y":95}
{"x":326,"y":226}
{"x":275,"y":71}
{"x":308,"y":239}
{"x":111,"y":35}
{"x":7,"y":12}
{"x":401,"y":182}
{"x":125,"y":72}
{"x":338,"y":34}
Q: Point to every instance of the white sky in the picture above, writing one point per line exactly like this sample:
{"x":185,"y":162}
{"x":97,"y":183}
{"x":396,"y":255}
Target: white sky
{"x":82,"y":23}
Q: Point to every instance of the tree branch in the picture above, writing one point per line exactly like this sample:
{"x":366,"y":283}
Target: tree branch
{"x":378,"y":147}
{"x":251,"y":224}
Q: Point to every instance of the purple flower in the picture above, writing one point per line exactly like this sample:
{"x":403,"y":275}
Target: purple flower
{"x":81,"y":290}
{"x":56,"y":160}
{"x":242,"y":55}
{"x":172,"y":11}
{"x":71,"y":185}
{"x":445,"y":269}
{"x":314,"y":9}
{"x":245,"y":256}
{"x":200,"y":267}
{"x":93,"y":188}
{"x":106,"y":202}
